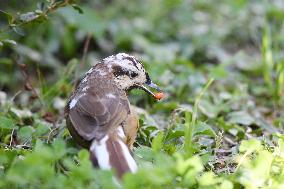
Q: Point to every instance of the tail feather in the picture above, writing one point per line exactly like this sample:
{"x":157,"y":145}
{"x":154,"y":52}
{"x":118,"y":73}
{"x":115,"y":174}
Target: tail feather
{"x":111,"y":152}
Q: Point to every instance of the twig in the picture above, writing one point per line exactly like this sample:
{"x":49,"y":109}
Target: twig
{"x":56,"y":126}
{"x":83,"y":59}
{"x":55,"y":6}
{"x":11,"y":101}
{"x":11,"y":138}
{"x":230,"y":141}
{"x":85,"y":51}
{"x":49,"y":134}
{"x":51,"y":8}
{"x":28,"y":84}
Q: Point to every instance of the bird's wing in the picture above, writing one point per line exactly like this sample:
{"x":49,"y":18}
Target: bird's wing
{"x":96,"y":112}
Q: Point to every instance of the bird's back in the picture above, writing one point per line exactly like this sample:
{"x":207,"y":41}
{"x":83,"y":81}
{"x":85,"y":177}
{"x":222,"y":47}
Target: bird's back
{"x":96,"y":107}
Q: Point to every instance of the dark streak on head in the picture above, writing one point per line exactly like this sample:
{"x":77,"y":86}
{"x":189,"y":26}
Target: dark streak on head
{"x":132,"y":60}
{"x":119,"y":71}
{"x":148,"y":80}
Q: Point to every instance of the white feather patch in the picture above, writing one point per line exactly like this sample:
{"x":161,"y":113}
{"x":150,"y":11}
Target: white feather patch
{"x":102,"y":154}
{"x":84,"y":80}
{"x":75,"y":100}
{"x":73,"y":103}
{"x":120,"y":56}
{"x":101,"y":72}
{"x":120,"y":132}
{"x":90,"y":70}
{"x":85,"y":88}
{"x":129,"y":159}
{"x":110,"y":95}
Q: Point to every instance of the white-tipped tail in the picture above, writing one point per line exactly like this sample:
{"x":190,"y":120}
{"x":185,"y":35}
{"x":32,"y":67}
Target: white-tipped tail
{"x":99,"y":148}
{"x":111,"y":152}
{"x":130,"y":160}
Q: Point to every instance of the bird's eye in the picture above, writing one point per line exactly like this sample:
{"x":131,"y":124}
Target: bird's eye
{"x":118,"y":71}
{"x":133,"y":74}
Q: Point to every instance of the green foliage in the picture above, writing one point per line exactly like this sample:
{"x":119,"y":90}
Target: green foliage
{"x":223,"y":134}
{"x":264,"y":169}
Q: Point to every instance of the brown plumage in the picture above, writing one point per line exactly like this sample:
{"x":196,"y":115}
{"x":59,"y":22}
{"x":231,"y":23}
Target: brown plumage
{"x":98,"y":113}
{"x":131,"y":127}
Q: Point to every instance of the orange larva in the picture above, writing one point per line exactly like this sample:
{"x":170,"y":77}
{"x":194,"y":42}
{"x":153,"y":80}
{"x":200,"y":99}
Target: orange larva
{"x":159,"y":95}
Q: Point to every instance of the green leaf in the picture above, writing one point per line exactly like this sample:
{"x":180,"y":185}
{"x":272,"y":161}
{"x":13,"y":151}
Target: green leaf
{"x":262,"y":123}
{"x":77,"y":8}
{"x":190,"y":168}
{"x":89,"y":22}
{"x":208,"y":108}
{"x":8,"y":15}
{"x":19,"y":31}
{"x":182,"y":165}
{"x":174,"y":134}
{"x":218,"y":72}
{"x":241,"y":117}
{"x":257,"y":170}
{"x":157,"y":142}
{"x":226,"y":184}
{"x":281,"y":146}
{"x":41,"y":129}
{"x":250,"y":145}
{"x":7,"y":123}
{"x":204,"y":129}
{"x":83,"y":155}
{"x":145,"y":153}
{"x":59,"y":148}
{"x":25,"y":132}
{"x":207,"y":179}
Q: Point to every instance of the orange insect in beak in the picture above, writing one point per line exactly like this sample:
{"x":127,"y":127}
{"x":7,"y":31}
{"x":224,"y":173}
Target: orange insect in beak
{"x":159,"y":95}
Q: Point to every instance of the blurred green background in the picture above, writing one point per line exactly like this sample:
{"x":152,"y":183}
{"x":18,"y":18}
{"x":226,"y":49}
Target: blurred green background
{"x":46,"y":47}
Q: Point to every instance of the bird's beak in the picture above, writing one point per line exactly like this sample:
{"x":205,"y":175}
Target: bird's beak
{"x":152,"y":85}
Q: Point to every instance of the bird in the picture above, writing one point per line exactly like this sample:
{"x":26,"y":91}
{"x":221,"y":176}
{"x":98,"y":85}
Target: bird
{"x":98,"y":113}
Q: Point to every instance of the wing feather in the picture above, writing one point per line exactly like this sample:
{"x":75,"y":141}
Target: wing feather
{"x":97,"y":112}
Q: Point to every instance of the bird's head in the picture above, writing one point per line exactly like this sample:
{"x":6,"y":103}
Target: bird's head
{"x":129,"y":73}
